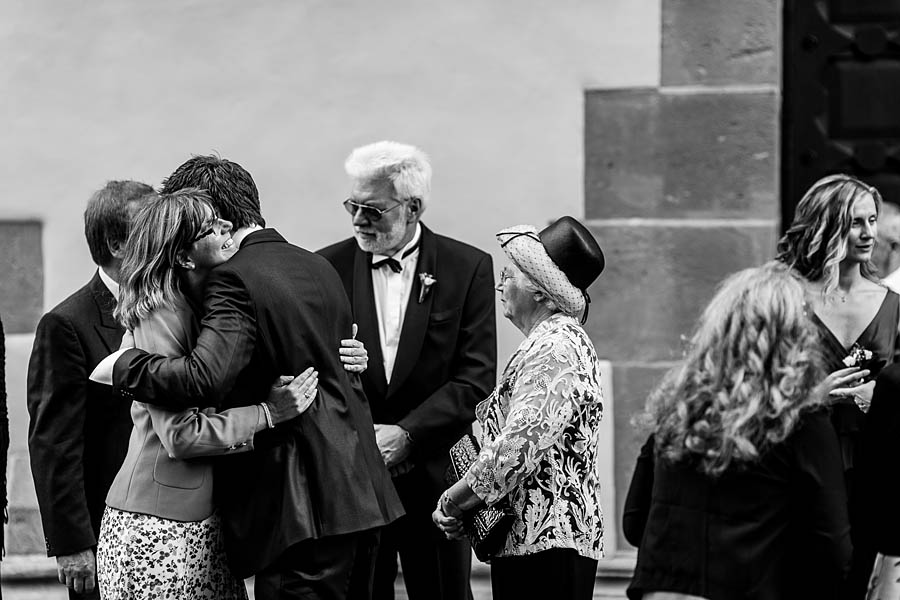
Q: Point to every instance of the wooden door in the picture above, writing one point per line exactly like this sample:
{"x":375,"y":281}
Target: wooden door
{"x":841,"y":103}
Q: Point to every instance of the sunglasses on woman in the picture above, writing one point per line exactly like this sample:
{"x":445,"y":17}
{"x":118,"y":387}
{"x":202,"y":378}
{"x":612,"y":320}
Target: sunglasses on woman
{"x":209,"y":231}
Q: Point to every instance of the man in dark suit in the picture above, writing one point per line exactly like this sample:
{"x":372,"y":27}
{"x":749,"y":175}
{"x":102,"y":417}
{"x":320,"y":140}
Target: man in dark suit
{"x":77,"y":434}
{"x":303,"y":512}
{"x":425,"y":308}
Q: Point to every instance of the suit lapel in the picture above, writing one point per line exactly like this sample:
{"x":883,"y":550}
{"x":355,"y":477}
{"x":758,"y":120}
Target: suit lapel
{"x":367,"y":319}
{"x":108,"y":329}
{"x":415,"y":323}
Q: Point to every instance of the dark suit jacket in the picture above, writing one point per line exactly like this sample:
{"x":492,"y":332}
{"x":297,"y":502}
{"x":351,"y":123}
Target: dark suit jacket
{"x":277,"y":309}
{"x":447,"y":359}
{"x":777,"y":528}
{"x":77,"y":434}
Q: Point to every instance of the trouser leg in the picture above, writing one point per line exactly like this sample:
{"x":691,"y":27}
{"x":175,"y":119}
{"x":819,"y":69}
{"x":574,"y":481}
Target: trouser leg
{"x":385,"y":574}
{"x":332,"y":568}
{"x":434,"y":568}
{"x":557,"y":573}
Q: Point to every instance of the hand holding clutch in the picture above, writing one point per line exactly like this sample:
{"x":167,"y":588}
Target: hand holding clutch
{"x":448,"y":518}
{"x":487,"y":527}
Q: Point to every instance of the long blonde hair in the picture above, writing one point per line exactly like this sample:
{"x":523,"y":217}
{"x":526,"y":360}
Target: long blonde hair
{"x":748,"y":375}
{"x":161,"y":230}
{"x":816,"y":242}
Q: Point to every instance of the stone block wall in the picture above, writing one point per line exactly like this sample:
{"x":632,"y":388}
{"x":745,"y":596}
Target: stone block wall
{"x":680,"y":185}
{"x":681,"y":189}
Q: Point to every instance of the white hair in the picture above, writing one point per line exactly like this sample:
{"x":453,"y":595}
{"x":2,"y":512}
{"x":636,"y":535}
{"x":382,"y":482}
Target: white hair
{"x":532,"y":287}
{"x":405,"y":166}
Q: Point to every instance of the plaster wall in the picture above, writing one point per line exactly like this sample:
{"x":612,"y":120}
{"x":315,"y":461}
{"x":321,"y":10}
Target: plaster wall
{"x":493,"y":91}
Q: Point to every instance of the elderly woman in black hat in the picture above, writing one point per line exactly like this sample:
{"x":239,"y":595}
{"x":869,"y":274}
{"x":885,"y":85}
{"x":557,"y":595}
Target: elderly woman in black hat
{"x":540,"y":426}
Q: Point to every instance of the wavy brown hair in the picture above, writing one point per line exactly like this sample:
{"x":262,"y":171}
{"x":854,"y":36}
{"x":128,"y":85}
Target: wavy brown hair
{"x":161,"y":230}
{"x":816,"y":242}
{"x":748,"y":375}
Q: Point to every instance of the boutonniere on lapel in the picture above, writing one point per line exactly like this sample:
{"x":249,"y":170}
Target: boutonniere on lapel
{"x":426,"y":280}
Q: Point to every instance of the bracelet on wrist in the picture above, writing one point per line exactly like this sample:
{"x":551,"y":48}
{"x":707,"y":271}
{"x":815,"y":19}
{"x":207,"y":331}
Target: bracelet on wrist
{"x":455,"y":510}
{"x":268,"y":416}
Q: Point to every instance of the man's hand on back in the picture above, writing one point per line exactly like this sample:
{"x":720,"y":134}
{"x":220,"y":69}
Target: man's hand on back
{"x":78,"y":571}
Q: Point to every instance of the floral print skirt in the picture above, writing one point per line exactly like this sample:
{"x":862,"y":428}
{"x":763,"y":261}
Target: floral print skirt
{"x":142,"y":556}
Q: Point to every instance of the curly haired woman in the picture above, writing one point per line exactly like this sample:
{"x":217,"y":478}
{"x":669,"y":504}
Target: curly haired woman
{"x":741,"y":482}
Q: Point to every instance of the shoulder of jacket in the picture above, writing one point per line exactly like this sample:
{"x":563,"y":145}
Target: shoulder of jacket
{"x":76,"y":308}
{"x":338,"y":250}
{"x":461,"y":250}
{"x":562,"y":339}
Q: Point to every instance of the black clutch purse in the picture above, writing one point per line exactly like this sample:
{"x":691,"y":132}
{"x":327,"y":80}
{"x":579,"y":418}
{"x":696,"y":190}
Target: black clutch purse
{"x":488,"y":526}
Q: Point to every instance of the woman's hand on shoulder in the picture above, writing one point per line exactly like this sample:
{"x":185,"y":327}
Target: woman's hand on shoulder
{"x":354,"y":355}
{"x":292,"y":396}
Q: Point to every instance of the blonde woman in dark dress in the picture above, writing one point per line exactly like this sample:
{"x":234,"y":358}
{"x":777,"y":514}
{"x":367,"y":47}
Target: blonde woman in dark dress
{"x":830,"y":243}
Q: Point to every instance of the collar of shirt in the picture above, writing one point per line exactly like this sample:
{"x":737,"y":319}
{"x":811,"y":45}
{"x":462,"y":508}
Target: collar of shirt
{"x":109,"y":282}
{"x":398,"y":255}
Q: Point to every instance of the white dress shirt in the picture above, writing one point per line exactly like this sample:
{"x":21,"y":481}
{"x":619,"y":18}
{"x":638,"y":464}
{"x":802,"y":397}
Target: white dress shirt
{"x":392,"y":292}
{"x":109,"y":282}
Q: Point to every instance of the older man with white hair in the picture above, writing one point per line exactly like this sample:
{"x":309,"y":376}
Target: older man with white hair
{"x":425,"y":308}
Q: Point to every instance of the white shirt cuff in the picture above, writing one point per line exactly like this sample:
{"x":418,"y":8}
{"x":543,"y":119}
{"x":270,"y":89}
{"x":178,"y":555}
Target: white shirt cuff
{"x":103,"y":373}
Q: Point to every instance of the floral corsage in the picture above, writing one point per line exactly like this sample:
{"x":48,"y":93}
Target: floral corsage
{"x":426,"y":280}
{"x":864,"y":359}
{"x":858,"y":357}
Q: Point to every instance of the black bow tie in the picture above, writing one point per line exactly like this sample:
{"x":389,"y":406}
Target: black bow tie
{"x":393,"y":263}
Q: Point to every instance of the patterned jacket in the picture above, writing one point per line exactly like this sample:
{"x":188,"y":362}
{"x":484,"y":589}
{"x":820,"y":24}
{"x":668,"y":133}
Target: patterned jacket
{"x":540,"y":438}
